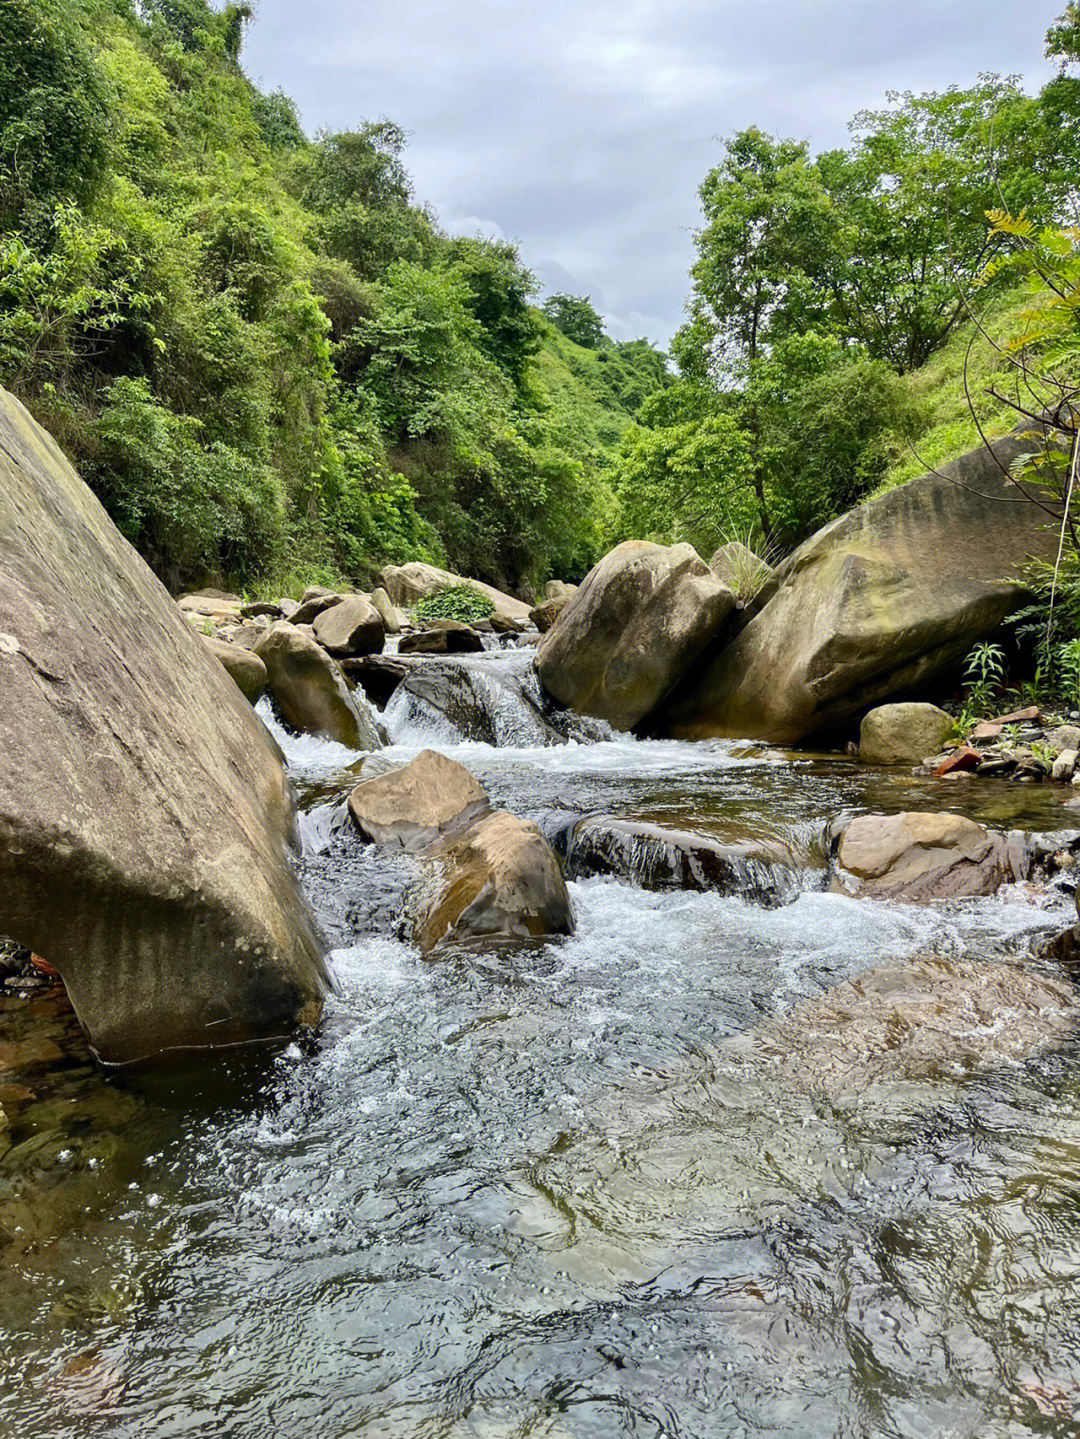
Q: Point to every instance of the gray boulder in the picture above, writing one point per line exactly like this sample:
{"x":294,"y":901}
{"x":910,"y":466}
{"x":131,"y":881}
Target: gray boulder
{"x":144,"y":813}
{"x":903,"y":733}
{"x":246,"y":669}
{"x":641,"y":617}
{"x":878,"y":603}
{"x":350,"y":628}
{"x":309,"y":690}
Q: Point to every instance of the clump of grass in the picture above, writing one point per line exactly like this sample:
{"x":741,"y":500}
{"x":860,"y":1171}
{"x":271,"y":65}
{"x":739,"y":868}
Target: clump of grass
{"x":749,"y":563}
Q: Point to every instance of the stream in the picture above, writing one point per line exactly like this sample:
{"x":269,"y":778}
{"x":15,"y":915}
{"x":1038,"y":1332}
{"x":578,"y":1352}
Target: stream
{"x":566,"y":1190}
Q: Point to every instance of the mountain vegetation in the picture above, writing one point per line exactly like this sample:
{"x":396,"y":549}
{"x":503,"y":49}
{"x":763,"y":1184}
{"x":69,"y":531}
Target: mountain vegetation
{"x":274,"y":367}
{"x":260,"y":350}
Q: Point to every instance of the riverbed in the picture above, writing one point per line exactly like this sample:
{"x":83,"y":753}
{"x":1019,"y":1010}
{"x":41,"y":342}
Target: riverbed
{"x":561,"y":1189}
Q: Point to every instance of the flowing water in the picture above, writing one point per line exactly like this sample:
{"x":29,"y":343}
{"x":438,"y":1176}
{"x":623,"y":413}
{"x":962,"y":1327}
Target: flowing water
{"x":636,"y":1182}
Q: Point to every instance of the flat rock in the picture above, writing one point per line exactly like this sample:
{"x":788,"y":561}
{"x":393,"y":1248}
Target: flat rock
{"x":412,"y":806}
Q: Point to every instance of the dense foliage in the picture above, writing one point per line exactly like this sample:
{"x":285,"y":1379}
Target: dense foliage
{"x":455,"y":602}
{"x":829,"y":328}
{"x":262,"y":353}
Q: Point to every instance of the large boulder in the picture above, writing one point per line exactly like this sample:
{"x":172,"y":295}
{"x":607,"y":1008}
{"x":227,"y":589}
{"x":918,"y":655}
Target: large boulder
{"x":246,"y":669}
{"x":639,"y":619}
{"x":500,"y":879}
{"x":309,"y":690}
{"x":350,"y":628}
{"x":413,"y":806}
{"x":903,"y":733}
{"x":406,"y":584}
{"x":916,"y":856}
{"x":144,"y":812}
{"x":878,"y":603}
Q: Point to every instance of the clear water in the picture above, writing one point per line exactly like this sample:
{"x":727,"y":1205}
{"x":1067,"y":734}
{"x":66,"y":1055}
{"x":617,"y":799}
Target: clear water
{"x":564,"y":1190}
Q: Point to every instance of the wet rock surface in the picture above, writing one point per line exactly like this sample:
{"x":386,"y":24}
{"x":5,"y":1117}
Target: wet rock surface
{"x":923,"y":856}
{"x":413,"y":806}
{"x":498,"y":880}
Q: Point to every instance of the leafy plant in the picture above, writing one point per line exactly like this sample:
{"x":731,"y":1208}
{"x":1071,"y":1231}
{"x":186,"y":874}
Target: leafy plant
{"x":455,"y":602}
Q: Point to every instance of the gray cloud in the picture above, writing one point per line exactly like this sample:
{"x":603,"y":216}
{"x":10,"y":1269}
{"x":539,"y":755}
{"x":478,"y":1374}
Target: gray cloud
{"x":583,"y":129}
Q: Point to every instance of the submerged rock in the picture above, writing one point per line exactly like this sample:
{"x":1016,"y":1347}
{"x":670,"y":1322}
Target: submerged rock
{"x":918,"y":856}
{"x":656,"y":857}
{"x":877,"y":603}
{"x":413,"y":806}
{"x":246,"y":669}
{"x":498,"y":880}
{"x":309,"y":690}
{"x":144,"y":812}
{"x":640,"y":618}
{"x":903,"y":733}
{"x":913,"y":1019}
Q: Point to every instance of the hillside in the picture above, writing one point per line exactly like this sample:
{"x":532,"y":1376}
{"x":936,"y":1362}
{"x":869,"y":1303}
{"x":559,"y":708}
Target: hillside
{"x":261,"y":350}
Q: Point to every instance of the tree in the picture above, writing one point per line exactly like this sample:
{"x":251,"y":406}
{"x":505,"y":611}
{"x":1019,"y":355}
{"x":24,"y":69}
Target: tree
{"x":910,"y":200}
{"x":576,"y":318}
{"x":53,"y":111}
{"x":768,"y":224}
{"x":499,"y":290}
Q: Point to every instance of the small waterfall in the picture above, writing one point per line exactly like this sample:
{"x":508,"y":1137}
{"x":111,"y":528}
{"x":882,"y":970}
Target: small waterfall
{"x":494,"y":698}
{"x":657,"y":858}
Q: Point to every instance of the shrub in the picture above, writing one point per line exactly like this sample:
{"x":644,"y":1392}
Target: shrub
{"x":455,"y":602}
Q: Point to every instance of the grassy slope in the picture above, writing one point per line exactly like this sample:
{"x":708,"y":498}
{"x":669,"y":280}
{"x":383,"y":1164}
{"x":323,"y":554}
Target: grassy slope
{"x":939,"y":388}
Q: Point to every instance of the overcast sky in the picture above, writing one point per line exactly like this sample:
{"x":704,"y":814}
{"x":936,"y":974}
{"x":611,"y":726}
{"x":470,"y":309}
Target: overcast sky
{"x":582,"y":128}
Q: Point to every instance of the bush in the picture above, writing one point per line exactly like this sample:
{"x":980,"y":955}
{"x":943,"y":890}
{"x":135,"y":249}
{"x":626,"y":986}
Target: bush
{"x":455,"y":602}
